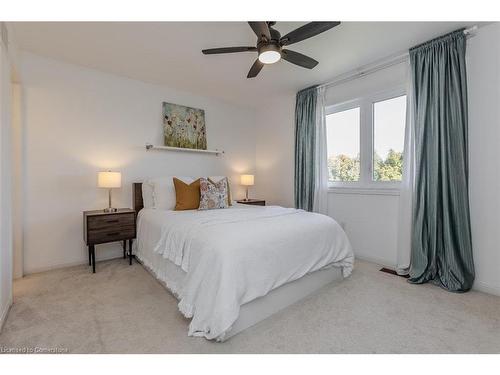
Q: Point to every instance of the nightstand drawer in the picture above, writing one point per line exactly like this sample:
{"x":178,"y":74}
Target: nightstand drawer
{"x":110,"y":234}
{"x":112,"y":221}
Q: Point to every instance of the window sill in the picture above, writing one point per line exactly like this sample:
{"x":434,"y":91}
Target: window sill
{"x":364,"y":190}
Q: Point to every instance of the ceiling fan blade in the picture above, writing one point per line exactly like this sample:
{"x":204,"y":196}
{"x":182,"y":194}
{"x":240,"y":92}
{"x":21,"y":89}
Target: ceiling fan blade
{"x":298,"y":59}
{"x":261,"y":29}
{"x":255,"y":69}
{"x":213,"y":51}
{"x":307,"y":31}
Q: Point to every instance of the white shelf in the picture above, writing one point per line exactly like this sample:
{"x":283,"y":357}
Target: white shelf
{"x":167,"y":148}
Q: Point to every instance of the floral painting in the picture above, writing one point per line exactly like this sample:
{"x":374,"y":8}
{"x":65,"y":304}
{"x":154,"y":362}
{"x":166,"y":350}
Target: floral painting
{"x":184,"y":126}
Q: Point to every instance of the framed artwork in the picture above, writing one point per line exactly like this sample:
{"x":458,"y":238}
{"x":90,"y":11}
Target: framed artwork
{"x":184,"y":127}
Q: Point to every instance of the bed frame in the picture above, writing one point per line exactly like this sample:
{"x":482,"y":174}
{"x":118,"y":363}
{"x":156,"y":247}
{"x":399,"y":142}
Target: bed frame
{"x":261,"y":308}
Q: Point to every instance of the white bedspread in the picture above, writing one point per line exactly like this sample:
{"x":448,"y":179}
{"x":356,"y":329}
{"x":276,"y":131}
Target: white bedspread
{"x":232,"y":256}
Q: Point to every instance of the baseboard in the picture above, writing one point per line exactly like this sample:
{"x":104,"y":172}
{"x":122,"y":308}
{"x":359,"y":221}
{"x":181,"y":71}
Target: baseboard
{"x":5,"y":312}
{"x":379,"y":261}
{"x":71,"y":264}
{"x":486,"y":288}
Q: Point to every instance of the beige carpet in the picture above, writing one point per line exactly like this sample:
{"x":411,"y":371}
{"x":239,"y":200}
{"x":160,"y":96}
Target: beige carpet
{"x":122,"y":309}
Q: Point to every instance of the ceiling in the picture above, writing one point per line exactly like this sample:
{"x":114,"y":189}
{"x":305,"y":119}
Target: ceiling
{"x":169,"y":53}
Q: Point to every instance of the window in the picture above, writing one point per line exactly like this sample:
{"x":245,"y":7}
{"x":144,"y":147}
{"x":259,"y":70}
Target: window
{"x":365,"y":141}
{"x":389,"y":118}
{"x":342,"y":129}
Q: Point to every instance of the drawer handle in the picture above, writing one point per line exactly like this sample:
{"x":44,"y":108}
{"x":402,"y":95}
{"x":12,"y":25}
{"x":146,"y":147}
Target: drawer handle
{"x":111,"y":221}
{"x":113,"y":234}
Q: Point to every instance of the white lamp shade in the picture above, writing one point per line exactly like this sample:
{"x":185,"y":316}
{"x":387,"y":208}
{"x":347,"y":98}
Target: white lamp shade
{"x":109,"y":180}
{"x":247,"y":179}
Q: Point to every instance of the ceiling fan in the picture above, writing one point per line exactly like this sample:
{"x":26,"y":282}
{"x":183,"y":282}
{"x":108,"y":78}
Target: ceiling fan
{"x":270,"y":45}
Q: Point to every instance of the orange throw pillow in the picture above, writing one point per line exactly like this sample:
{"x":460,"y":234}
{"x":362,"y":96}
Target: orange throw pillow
{"x":187,"y":197}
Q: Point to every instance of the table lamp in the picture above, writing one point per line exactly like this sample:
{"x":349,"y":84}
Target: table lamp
{"x":247,"y":180}
{"x":109,"y":180}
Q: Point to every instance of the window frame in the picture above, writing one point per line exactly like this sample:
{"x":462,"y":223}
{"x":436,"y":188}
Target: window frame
{"x":366,"y":184}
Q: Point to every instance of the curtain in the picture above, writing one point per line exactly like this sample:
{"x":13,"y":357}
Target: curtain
{"x":441,"y":238}
{"x":305,"y":148}
{"x":320,"y":203}
{"x":407,"y":187}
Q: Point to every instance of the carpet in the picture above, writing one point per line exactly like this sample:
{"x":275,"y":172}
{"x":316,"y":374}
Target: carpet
{"x":123,"y":309}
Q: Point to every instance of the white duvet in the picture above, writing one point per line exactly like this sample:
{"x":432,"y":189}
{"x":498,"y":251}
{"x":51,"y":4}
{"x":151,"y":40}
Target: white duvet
{"x":232,"y":256}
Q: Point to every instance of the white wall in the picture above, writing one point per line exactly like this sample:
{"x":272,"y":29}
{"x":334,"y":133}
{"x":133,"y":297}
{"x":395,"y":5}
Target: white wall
{"x":274,"y":151}
{"x":17,"y":181}
{"x":483,"y":64}
{"x":371,"y":221}
{"x":8,"y":74}
{"x":5,"y":187}
{"x":79,"y":121}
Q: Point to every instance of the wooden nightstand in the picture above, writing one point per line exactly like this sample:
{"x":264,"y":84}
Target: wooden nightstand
{"x":103,"y":227}
{"x":253,"y":202}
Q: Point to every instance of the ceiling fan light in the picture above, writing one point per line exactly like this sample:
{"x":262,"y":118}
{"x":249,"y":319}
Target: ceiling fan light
{"x":269,"y":57}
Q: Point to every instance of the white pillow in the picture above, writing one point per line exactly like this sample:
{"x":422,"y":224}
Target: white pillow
{"x":164,"y":191}
{"x":148,"y":194}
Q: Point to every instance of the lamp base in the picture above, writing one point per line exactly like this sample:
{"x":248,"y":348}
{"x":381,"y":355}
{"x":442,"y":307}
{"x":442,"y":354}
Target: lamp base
{"x":110,"y":209}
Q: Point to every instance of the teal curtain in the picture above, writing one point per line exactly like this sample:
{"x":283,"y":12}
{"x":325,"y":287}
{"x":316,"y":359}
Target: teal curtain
{"x":305,"y":138}
{"x":441,"y":238}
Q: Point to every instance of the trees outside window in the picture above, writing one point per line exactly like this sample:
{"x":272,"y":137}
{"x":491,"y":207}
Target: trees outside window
{"x":343,"y":144}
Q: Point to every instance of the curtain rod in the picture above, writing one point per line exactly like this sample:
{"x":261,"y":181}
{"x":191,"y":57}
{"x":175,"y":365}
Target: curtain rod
{"x":378,"y":65}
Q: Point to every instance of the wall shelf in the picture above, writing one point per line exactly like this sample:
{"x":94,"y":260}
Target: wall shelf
{"x":149,"y":146}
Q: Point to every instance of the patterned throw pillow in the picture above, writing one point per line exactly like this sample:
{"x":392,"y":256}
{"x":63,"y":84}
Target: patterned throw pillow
{"x":217,"y":179}
{"x":213,"y":195}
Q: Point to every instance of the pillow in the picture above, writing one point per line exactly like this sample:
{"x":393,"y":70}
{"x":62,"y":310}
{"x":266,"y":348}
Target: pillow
{"x":164,"y":191}
{"x":187,"y":197}
{"x":216,"y":179}
{"x":213,"y":195}
{"x":148,"y":195}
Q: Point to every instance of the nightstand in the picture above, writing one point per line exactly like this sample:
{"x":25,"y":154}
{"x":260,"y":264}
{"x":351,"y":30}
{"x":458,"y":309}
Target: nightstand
{"x":253,"y":202}
{"x":103,"y":227}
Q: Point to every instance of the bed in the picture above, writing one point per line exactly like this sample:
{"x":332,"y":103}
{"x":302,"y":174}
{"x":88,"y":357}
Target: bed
{"x":231,"y":268}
